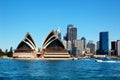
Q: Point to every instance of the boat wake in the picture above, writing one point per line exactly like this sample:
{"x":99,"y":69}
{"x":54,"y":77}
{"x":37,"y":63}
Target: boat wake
{"x":108,"y":61}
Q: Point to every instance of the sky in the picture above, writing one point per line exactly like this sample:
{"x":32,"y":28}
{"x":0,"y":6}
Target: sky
{"x":39,"y":17}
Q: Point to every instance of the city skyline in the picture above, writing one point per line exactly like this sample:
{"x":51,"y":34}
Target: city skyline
{"x":39,"y":17}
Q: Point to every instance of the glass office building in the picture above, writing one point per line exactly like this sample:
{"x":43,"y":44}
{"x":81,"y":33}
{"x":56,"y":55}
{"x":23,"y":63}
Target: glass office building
{"x":104,"y":42}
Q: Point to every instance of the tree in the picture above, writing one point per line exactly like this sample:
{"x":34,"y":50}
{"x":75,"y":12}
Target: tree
{"x":11,"y":49}
{"x":5,"y":53}
{"x":10,"y":53}
{"x":1,"y":53}
{"x":0,"y":50}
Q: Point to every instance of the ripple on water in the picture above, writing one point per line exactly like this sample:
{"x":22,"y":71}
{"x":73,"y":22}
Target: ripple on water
{"x":58,"y":70}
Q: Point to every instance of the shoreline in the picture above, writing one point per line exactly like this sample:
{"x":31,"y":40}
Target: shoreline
{"x":71,"y":58}
{"x":42,"y":59}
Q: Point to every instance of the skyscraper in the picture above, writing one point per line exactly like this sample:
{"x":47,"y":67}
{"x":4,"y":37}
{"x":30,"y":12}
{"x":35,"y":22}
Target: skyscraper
{"x":118,"y":47}
{"x":71,"y":36}
{"x":104,"y":43}
{"x":113,"y":45}
{"x":71,"y":33}
{"x":114,"y":48}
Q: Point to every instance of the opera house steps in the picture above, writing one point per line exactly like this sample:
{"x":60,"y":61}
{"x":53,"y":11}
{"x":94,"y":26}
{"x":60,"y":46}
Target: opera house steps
{"x":56,"y":55}
{"x":52,"y":56}
{"x":56,"y":59}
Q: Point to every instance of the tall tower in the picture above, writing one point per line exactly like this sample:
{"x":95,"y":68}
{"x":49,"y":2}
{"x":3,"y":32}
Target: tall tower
{"x":104,"y":43}
{"x":71,"y":36}
{"x":71,"y":33}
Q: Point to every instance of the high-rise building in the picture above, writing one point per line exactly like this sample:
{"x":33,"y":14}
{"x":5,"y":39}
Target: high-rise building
{"x":91,"y":46}
{"x":113,"y":45}
{"x":104,"y":43}
{"x":118,"y":47}
{"x":71,"y":36}
{"x":58,"y":32}
{"x":71,"y":33}
{"x":65,"y":37}
{"x":84,"y":40}
{"x":114,"y":48}
{"x":98,"y":45}
{"x":78,"y":47}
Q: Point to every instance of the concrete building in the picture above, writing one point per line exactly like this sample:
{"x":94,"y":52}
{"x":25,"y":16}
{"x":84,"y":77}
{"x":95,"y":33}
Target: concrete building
{"x":69,"y":46}
{"x":118,"y":47}
{"x":91,"y":46}
{"x":98,"y":45}
{"x":115,"y":48}
{"x":84,"y":39}
{"x":88,"y":50}
{"x":79,"y":47}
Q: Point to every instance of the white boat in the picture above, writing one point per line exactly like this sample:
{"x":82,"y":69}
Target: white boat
{"x":99,"y":61}
{"x":107,"y":61}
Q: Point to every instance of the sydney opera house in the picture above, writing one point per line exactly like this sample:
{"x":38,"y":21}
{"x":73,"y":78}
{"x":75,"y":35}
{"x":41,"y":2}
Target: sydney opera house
{"x":52,"y":49}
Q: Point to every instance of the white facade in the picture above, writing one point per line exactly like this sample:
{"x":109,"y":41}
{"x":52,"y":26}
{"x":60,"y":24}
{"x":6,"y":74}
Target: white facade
{"x":69,"y":45}
{"x":79,"y":44}
{"x":98,"y":45}
{"x":64,"y":43}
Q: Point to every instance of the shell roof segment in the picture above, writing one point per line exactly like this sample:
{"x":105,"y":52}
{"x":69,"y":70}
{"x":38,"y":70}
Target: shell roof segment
{"x":27,"y":43}
{"x":52,"y":36}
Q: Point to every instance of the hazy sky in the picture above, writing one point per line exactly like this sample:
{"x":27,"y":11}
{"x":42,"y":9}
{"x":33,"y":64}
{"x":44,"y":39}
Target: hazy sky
{"x":39,"y":17}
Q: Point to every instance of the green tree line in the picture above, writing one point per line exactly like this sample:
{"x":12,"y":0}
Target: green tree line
{"x":6,"y":52}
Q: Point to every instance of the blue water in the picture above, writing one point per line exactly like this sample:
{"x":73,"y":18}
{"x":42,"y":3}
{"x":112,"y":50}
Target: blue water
{"x":83,"y":69}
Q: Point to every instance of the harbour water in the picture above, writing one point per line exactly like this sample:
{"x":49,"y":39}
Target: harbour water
{"x":83,"y":69}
